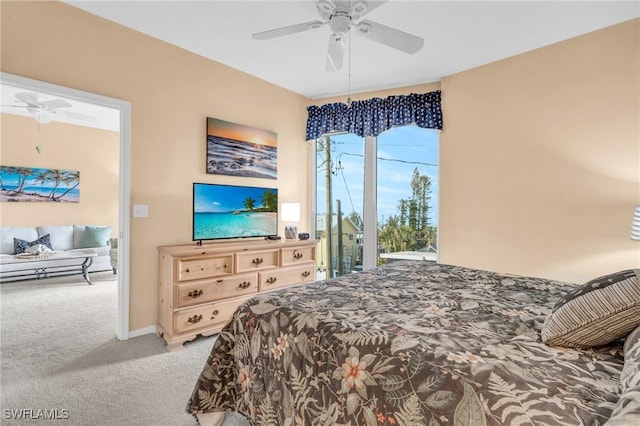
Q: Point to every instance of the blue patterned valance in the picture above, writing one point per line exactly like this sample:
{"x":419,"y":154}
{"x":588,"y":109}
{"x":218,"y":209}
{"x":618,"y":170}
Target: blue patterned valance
{"x":373,"y":116}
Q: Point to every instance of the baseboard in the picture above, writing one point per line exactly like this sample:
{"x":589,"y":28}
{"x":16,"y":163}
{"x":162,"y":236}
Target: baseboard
{"x":142,"y":331}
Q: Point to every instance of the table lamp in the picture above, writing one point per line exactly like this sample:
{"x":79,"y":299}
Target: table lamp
{"x":290,"y":214}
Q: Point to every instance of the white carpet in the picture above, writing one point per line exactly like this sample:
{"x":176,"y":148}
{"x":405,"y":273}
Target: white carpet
{"x":59,"y":353}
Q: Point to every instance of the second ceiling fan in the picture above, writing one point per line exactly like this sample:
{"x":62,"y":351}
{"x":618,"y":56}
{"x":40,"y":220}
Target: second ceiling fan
{"x":341,"y":16}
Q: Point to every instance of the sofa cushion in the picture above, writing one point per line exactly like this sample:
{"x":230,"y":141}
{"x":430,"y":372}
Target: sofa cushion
{"x":61,"y":236}
{"x":78,"y":234}
{"x":20,"y":246}
{"x":8,"y":233}
{"x":96,"y":236}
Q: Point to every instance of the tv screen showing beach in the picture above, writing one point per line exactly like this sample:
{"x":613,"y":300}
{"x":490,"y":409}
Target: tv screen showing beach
{"x":230,"y":211}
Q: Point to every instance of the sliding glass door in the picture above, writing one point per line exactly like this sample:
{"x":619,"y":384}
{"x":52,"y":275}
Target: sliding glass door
{"x":339,"y":204}
{"x":376,"y":199}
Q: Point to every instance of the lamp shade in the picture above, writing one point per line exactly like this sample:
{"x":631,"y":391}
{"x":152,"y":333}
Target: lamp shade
{"x":290,"y":212}
{"x":635,"y":224}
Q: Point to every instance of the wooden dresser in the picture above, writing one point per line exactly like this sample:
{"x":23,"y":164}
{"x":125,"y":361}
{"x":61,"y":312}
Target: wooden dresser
{"x":200,"y":287}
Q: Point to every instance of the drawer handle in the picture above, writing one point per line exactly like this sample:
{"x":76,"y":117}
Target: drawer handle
{"x":195,"y":319}
{"x":257,"y":261}
{"x":305,"y":274}
{"x":195,"y":293}
{"x":214,"y":313}
{"x":244,"y":284}
{"x":271,"y":280}
{"x":187,"y":270}
{"x":219,"y":281}
{"x":297,"y":255}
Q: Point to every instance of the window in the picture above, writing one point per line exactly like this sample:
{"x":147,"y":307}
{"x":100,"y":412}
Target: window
{"x":377,"y":189}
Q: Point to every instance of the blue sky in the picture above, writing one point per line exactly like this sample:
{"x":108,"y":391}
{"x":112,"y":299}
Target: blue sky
{"x":225,"y":198}
{"x":400,"y":151}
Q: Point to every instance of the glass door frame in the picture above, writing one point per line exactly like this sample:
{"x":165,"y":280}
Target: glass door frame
{"x":370,"y":199}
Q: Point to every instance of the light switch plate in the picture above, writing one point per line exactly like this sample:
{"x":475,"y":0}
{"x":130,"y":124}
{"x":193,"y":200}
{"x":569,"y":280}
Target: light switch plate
{"x":140,"y":210}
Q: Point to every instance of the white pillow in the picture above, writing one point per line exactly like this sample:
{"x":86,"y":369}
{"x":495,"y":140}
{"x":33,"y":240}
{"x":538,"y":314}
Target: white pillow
{"x":61,"y":236}
{"x":8,"y":233}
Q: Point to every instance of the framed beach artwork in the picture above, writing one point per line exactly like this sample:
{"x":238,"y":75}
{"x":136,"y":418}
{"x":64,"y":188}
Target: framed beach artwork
{"x":237,"y":150}
{"x":28,"y":184}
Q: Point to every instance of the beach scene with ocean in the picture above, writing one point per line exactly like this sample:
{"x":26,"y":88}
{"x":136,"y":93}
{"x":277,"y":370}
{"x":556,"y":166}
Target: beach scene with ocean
{"x":238,"y":225}
{"x":232,"y":211}
{"x":237,"y":150}
{"x":29,"y":184}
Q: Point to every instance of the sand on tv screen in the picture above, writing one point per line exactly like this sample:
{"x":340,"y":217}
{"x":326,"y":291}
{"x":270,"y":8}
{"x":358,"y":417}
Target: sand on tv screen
{"x":233,"y":211}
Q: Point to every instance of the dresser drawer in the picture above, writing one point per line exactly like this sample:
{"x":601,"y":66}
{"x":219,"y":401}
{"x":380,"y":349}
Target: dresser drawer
{"x":197,"y":268}
{"x":297,"y":255}
{"x":216,"y":289}
{"x":256,"y":260}
{"x":215,"y":314}
{"x":283,"y":277}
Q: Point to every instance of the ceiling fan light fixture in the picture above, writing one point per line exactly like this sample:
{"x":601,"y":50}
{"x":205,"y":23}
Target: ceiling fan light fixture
{"x":42,"y":116}
{"x":363,"y":28}
{"x":360,"y":7}
{"x":340,"y":22}
{"x":325,"y":6}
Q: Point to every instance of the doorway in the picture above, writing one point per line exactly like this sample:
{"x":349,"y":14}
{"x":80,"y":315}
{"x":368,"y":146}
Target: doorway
{"x":124,"y":109}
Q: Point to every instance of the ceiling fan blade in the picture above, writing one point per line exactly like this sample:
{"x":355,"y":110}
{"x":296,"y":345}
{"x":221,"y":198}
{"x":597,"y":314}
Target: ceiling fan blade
{"x":292,"y":29}
{"x":390,"y":36}
{"x":335,"y":55}
{"x":28,"y":98}
{"x":55,"y":103}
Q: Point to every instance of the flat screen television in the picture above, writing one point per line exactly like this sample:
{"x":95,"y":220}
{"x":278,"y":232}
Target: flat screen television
{"x":233,"y":211}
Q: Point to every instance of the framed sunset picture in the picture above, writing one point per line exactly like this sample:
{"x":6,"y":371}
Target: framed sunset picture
{"x":237,"y":150}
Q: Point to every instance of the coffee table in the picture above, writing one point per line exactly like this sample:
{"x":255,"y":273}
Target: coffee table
{"x":42,"y":266}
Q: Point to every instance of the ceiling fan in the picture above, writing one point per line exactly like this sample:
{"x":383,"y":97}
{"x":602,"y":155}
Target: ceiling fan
{"x":341,"y":16}
{"x":44,"y":111}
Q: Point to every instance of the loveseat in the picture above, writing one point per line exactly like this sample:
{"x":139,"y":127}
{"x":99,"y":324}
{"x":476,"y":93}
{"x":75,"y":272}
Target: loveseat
{"x":62,"y":238}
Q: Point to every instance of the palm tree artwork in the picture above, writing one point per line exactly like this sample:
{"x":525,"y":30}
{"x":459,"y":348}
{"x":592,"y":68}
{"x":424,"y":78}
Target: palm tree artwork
{"x":28,"y":184}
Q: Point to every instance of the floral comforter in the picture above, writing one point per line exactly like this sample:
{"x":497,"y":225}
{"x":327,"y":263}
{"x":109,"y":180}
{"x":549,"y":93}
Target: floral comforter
{"x":409,"y":343}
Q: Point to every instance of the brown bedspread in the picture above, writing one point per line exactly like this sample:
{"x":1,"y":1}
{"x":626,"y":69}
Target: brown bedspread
{"x":410,"y":343}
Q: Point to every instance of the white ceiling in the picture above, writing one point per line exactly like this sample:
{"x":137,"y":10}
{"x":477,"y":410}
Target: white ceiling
{"x":458,"y":35}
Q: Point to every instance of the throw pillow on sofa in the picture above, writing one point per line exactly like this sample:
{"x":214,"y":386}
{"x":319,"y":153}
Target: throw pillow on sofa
{"x":19,"y":246}
{"x":96,"y":236}
{"x":61,"y":235}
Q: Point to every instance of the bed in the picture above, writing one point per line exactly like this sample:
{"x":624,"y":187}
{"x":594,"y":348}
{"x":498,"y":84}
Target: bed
{"x":418,"y":343}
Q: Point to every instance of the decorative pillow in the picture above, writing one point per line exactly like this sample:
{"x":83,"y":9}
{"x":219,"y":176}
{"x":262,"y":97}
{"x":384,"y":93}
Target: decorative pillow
{"x":599,"y":312}
{"x":95,"y":236}
{"x":19,"y":246}
{"x":61,"y":236}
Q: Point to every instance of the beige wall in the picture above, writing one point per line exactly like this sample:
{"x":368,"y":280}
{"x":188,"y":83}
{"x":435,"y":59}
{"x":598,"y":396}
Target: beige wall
{"x":539,"y":156}
{"x":540,"y":159}
{"x":171,"y":92}
{"x":92,"y":152}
